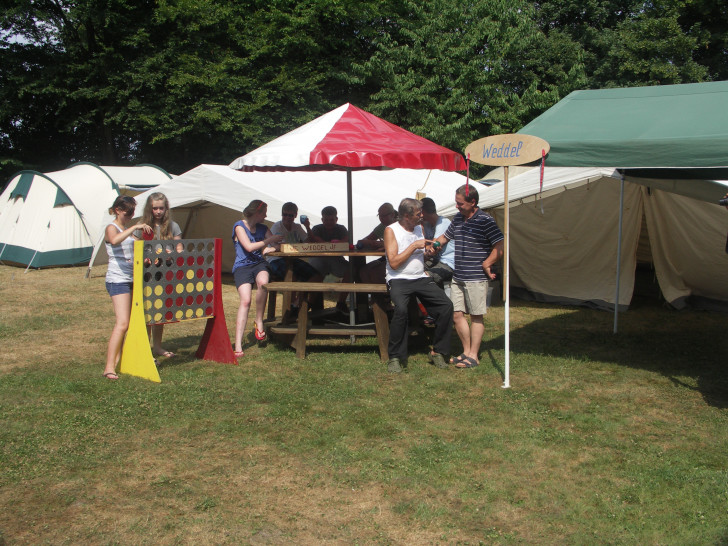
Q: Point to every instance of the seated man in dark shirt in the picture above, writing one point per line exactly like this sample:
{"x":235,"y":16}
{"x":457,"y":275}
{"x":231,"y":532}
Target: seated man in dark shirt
{"x":331,"y":232}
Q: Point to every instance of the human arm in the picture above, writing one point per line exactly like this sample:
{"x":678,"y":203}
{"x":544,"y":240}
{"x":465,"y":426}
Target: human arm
{"x":396,"y":258}
{"x":307,"y":226}
{"x":495,"y":255}
{"x":275,"y":241}
{"x":115,"y":237}
{"x":252,"y":246}
{"x":374,"y":240}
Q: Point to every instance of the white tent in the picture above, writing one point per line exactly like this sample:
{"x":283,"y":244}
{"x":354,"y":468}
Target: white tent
{"x":564,"y":236}
{"x":54,"y":218}
{"x":207,"y":200}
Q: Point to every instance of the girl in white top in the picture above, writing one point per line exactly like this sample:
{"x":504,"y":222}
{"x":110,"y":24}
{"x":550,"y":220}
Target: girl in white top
{"x":120,"y":274}
{"x":157,"y":215}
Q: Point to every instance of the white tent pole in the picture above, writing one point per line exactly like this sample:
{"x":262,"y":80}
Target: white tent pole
{"x":506,"y":281}
{"x":619,"y":252}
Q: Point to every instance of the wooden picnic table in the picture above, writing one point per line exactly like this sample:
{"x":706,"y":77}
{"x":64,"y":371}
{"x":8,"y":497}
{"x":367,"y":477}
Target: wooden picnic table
{"x":300,"y":328}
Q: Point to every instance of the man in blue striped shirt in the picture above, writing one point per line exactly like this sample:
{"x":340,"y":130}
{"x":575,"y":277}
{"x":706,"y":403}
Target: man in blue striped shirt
{"x":478,"y":246}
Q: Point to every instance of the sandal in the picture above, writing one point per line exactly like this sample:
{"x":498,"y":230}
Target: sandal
{"x":239,"y":354}
{"x":111,"y":375}
{"x":467,"y":362}
{"x":166,"y":354}
{"x":260,"y":334}
{"x":457,"y":359}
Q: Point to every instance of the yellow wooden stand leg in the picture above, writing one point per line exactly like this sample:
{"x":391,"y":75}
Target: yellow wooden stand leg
{"x":136,"y":354}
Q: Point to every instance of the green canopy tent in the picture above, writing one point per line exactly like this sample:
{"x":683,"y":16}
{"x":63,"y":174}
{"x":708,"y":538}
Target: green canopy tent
{"x":646,"y":130}
{"x":671,"y":140}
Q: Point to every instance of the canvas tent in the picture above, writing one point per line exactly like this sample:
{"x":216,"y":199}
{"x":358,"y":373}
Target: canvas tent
{"x":207,"y":200}
{"x":669,"y":143}
{"x":54,"y":219}
{"x":564,"y":237}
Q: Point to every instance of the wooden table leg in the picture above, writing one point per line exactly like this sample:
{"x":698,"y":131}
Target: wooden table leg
{"x":299,"y":341}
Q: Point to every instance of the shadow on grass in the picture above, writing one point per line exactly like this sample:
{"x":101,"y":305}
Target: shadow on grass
{"x":688,"y":347}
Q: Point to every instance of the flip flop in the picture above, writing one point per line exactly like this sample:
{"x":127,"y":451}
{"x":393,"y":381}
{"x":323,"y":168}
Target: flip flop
{"x":239,"y":354}
{"x":111,"y":375}
{"x":467,"y":362}
{"x":260,"y":334}
{"x":457,"y":359}
{"x":166,"y":354}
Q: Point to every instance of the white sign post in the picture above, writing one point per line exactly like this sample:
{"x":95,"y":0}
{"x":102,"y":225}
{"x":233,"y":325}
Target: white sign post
{"x":505,"y":150}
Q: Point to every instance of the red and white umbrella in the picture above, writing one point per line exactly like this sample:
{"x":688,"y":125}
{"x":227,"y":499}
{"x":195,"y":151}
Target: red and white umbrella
{"x":349,"y":138}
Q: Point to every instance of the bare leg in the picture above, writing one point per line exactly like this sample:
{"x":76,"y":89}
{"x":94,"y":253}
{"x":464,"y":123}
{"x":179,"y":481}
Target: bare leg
{"x":241,"y":320}
{"x":476,"y":336}
{"x":122,"y":311}
{"x":261,"y":297}
{"x":463,"y":329}
{"x":157,"y":333}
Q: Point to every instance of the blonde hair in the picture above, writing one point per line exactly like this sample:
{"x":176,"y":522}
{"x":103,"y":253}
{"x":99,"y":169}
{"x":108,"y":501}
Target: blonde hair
{"x":165,"y":224}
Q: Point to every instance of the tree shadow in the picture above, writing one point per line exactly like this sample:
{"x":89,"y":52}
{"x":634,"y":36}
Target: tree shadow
{"x":687,"y":347}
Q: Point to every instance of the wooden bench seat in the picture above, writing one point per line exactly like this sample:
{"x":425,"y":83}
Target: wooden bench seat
{"x":337,"y":287}
{"x":301,"y":330}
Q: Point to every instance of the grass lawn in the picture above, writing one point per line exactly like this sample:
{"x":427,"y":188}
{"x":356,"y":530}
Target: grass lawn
{"x":601,"y":439}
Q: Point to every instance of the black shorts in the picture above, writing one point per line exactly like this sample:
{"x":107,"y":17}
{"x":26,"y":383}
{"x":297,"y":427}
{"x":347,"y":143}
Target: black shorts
{"x":246,"y":274}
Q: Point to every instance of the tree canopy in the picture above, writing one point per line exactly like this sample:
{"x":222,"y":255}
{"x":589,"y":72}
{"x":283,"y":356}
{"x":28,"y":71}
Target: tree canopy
{"x":183,"y":82}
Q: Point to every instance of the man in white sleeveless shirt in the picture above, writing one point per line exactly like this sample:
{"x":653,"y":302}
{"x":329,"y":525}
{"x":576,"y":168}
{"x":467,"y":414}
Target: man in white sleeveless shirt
{"x":404,"y":246}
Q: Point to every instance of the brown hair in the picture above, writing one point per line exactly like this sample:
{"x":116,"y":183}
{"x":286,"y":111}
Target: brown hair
{"x":124,"y":203}
{"x":254,"y":206}
{"x":471,"y":196}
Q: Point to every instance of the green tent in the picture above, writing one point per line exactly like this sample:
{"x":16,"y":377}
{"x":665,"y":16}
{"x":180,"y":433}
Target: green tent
{"x":669,"y":144}
{"x":677,"y":127}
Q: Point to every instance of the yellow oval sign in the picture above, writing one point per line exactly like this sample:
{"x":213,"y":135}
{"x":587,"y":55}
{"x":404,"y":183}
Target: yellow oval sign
{"x":510,"y":149}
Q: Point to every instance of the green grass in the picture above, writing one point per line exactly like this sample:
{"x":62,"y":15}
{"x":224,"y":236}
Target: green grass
{"x":603,"y":438}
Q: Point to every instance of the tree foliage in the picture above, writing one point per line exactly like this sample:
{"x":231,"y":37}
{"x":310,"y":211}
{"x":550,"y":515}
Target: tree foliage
{"x":183,"y":82}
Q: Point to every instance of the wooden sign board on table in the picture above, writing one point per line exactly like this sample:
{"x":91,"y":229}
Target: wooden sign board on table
{"x":315,"y":247}
{"x":509,"y":149}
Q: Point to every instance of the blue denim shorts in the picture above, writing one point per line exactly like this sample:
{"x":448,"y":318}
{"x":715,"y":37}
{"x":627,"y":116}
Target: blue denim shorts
{"x":116,"y":288}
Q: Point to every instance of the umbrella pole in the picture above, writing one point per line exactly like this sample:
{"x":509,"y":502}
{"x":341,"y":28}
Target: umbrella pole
{"x":507,"y":284}
{"x":350,"y":215}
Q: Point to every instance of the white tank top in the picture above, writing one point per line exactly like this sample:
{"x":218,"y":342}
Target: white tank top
{"x":121,"y":259}
{"x":414,"y":267}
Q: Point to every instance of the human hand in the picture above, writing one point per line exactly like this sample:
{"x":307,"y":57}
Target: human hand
{"x":488,"y":273}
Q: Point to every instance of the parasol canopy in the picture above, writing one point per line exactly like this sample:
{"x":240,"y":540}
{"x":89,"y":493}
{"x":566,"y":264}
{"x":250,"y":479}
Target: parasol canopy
{"x":348,"y":138}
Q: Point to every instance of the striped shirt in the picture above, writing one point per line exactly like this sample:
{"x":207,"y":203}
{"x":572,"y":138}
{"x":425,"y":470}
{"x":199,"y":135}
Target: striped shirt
{"x":474,"y":241}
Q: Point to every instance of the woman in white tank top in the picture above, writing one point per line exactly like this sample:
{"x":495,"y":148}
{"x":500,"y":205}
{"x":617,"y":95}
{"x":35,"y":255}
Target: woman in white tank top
{"x":120,"y":274}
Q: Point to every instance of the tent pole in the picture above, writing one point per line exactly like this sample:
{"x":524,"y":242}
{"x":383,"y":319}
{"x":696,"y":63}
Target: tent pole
{"x":506,"y":281}
{"x":619,"y":252}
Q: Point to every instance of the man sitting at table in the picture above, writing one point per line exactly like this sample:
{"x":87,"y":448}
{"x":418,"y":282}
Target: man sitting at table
{"x":404,"y":246}
{"x":440,"y":265}
{"x":292,"y":233}
{"x":374,"y":271}
{"x":331,"y":232}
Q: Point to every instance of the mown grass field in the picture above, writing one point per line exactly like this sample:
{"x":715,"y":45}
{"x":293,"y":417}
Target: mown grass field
{"x":602,"y":438}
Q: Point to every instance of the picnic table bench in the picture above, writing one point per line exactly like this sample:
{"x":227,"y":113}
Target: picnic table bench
{"x":300,"y":329}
